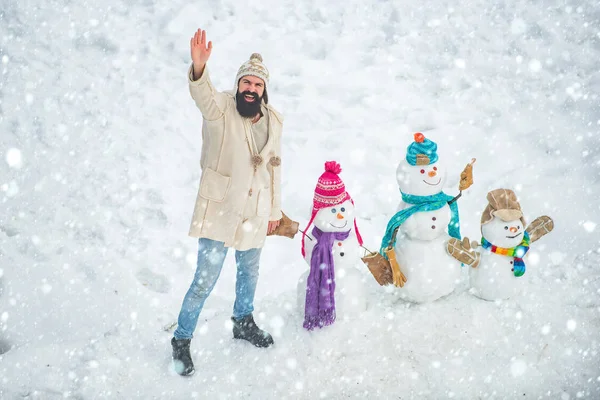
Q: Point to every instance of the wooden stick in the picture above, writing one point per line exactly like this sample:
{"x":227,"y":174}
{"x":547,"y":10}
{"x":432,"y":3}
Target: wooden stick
{"x":370,"y":252}
{"x":305,"y":234}
{"x":460,"y":192}
{"x":455,"y":198}
{"x":170,"y":326}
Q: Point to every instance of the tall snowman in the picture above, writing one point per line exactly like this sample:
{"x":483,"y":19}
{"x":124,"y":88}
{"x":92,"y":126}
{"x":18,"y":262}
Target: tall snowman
{"x":419,"y":231}
{"x":497,"y":269}
{"x":333,"y":284}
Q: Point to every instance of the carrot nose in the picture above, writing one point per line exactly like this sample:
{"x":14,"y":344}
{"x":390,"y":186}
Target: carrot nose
{"x":513,"y":229}
{"x":432,"y":174}
{"x":340,"y":216}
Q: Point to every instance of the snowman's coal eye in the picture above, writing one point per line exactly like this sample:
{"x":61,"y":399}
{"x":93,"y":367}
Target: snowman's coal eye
{"x":343,"y":209}
{"x":333,"y":211}
{"x":506,"y":228}
{"x":518,"y":226}
{"x":422,"y":171}
{"x":435,"y":168}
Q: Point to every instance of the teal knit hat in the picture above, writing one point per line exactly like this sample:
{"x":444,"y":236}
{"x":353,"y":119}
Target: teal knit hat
{"x":422,"y":151}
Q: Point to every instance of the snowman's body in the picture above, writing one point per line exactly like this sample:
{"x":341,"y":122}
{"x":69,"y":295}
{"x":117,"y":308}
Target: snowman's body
{"x":350,"y":293}
{"x":494,"y":278}
{"x":420,"y":245}
{"x":420,"y":251}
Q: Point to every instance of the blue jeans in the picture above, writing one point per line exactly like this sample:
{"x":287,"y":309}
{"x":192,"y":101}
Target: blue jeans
{"x":211,"y":256}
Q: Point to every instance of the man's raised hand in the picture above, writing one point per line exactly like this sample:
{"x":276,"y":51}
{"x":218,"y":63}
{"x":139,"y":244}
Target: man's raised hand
{"x":200,"y":52}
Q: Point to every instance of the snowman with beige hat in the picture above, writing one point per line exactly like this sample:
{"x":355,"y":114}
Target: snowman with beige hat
{"x":497,"y":269}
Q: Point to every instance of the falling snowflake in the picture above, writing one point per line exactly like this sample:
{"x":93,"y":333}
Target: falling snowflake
{"x":518,"y":368}
{"x":291,"y":363}
{"x":14,"y":158}
{"x":518,"y":27}
{"x":589,"y":226}
{"x":535,"y":65}
{"x":460,"y":63}
{"x":46,"y":288}
{"x":545,"y":329}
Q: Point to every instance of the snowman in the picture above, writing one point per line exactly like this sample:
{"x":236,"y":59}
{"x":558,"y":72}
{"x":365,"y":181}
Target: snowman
{"x":497,"y":270}
{"x":333,"y":284}
{"x":425,"y":221}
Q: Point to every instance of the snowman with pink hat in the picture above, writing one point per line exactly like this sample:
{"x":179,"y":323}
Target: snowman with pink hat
{"x":333,"y":285}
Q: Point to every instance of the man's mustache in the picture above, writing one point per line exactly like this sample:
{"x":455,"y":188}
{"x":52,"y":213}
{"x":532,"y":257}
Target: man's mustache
{"x":247,"y":93}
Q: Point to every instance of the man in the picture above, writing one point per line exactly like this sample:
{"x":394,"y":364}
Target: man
{"x":238,"y":201}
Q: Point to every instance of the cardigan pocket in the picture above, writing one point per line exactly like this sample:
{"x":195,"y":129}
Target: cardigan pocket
{"x":263,"y":204}
{"x":214,"y":186}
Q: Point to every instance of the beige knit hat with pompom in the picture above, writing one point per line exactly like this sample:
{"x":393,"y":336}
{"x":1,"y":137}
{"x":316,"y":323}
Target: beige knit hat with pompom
{"x":255,"y":67}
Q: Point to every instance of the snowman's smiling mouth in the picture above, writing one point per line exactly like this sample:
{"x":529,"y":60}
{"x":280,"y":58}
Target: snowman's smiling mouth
{"x":433,"y":184}
{"x":517,"y":235}
{"x":339,"y":227}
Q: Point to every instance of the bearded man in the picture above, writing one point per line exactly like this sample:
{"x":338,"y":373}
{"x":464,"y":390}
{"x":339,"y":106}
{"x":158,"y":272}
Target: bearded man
{"x":239,"y":198}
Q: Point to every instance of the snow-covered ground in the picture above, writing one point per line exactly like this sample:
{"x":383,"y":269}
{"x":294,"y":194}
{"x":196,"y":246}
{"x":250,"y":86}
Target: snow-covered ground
{"x":99,"y":167}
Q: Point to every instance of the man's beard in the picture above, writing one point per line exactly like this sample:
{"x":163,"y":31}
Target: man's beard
{"x":246,"y":109}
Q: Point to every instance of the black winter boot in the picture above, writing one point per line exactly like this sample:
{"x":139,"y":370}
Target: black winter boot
{"x":246,"y":329}
{"x":182,"y":359}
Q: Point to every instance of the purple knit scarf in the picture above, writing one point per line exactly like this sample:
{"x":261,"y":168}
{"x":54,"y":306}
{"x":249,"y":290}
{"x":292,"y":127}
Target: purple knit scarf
{"x":319,"y":309}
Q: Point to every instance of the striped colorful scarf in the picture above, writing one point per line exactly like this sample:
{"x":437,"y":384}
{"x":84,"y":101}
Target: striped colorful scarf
{"x":517,"y":252}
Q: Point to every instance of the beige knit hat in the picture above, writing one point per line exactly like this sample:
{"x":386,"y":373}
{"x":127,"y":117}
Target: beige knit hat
{"x":255,"y":67}
{"x":504,"y":205}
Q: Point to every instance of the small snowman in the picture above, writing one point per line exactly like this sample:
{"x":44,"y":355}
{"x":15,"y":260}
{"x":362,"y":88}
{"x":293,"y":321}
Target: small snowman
{"x":426,"y":219}
{"x":497,"y":269}
{"x":331,"y":250}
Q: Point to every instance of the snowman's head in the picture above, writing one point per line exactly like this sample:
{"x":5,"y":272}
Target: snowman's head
{"x":502,"y":233}
{"x":421,"y":180}
{"x":333,"y":209}
{"x":339,"y":218}
{"x":502,"y":221}
{"x":420,"y":173}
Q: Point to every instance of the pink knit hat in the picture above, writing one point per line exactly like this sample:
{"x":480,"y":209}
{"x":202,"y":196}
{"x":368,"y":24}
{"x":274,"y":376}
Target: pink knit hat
{"x":330,"y":191}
